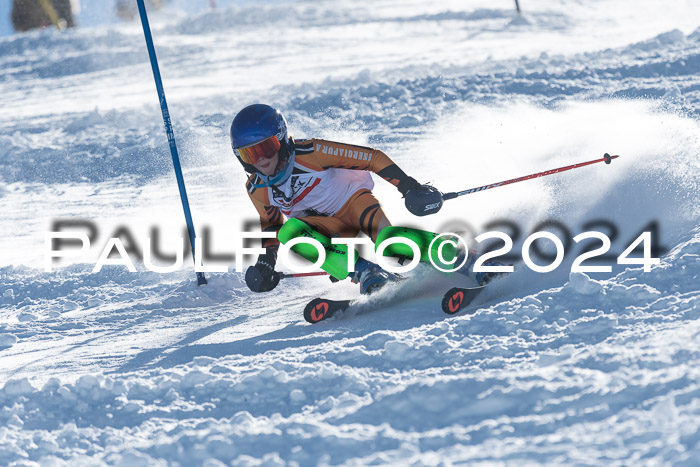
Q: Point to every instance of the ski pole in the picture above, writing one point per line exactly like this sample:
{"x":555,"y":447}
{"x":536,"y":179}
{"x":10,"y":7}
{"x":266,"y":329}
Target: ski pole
{"x":254,"y":278}
{"x":201,"y":280}
{"x":284,"y":275}
{"x":607,"y":158}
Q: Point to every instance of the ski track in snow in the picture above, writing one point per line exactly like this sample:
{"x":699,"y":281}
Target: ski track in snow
{"x":123,"y":368}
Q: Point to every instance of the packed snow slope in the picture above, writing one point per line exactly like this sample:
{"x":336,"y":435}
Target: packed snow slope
{"x":123,"y":368}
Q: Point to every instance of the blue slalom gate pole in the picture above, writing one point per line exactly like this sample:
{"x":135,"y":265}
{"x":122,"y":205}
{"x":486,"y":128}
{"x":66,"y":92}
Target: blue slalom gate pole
{"x":169,"y":131}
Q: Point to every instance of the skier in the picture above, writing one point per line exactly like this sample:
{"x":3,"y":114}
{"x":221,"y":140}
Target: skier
{"x":31,"y":14}
{"x":324,"y":184}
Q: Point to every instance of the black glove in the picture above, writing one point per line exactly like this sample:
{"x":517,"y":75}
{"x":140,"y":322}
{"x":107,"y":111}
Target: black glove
{"x":408,"y":183}
{"x":421,"y":200}
{"x":262,"y":277}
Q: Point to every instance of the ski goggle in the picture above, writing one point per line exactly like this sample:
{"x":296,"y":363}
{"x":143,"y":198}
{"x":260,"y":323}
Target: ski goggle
{"x":265,"y":149}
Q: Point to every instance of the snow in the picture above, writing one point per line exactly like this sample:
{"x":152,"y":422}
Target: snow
{"x":121,"y":368}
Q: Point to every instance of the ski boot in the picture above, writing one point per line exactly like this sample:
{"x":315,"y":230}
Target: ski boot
{"x":371,"y":277}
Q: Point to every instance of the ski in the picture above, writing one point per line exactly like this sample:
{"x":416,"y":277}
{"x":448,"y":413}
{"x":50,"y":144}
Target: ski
{"x":455,"y":300}
{"x":458,"y":298}
{"x":319,"y":309}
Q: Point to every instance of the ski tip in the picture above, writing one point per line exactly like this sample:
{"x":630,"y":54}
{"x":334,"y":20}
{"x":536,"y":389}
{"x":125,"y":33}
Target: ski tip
{"x":457,"y":299}
{"x":452,"y":302}
{"x":316,"y":310}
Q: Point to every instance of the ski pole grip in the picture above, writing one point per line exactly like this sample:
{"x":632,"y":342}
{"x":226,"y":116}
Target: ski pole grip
{"x":447,"y":196}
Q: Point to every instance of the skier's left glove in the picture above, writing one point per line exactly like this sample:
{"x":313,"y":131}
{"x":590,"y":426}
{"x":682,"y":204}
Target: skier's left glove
{"x":421,"y":200}
{"x":262,"y":277}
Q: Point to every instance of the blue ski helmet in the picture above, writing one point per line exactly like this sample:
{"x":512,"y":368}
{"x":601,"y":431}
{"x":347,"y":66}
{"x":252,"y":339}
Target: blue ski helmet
{"x":252,"y":133}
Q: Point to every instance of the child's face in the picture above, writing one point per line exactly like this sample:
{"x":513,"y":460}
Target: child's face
{"x":267,"y":166}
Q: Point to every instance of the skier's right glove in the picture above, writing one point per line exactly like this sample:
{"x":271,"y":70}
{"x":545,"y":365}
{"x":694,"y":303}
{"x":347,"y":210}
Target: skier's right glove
{"x":408,"y":183}
{"x":262,"y":277}
{"x":421,"y":200}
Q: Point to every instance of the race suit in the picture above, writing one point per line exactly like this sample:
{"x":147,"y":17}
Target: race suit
{"x":329,"y":189}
